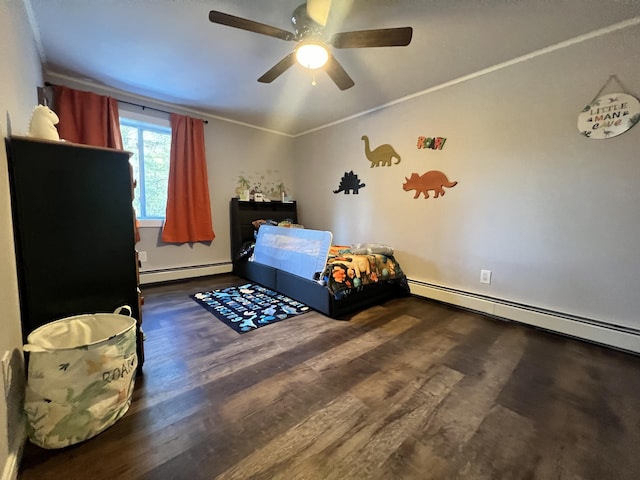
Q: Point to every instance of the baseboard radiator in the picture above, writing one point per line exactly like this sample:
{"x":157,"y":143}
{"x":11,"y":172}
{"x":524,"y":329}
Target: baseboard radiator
{"x":181,"y":273}
{"x":603,"y":333}
{"x":615,"y":336}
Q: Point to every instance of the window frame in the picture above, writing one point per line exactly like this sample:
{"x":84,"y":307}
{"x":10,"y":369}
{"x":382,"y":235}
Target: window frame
{"x":143,"y":121}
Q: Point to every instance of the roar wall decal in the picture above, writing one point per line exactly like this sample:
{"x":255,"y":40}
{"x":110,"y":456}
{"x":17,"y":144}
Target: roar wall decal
{"x":432,"y":180}
{"x":435,"y":143}
{"x":349,"y":183}
{"x":381,"y":155}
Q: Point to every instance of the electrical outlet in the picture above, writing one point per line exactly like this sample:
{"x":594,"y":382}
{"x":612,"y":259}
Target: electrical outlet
{"x":485,"y":276}
{"x":142,"y":256}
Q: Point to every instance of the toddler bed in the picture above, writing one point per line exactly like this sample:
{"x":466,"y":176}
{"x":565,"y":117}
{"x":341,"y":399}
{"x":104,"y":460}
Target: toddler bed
{"x":303,"y":264}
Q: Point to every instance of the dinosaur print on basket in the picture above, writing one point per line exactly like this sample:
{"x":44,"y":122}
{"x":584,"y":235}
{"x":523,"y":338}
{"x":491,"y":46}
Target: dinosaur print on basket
{"x":432,"y":180}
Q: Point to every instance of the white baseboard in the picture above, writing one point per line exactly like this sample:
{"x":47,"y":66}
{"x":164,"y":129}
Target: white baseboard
{"x":12,"y":465}
{"x":181,"y":273}
{"x":583,"y":328}
{"x":10,"y":471}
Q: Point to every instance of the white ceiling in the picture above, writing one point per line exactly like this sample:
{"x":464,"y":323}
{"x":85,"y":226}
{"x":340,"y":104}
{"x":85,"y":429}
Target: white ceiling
{"x":168,"y":50}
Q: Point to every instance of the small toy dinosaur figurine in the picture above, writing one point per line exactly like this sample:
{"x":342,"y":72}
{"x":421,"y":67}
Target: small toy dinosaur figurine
{"x":349,"y":182}
{"x":382,"y":154}
{"x":432,"y":180}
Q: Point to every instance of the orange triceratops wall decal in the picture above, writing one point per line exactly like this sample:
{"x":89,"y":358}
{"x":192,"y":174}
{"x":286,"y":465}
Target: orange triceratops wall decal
{"x":432,"y":180}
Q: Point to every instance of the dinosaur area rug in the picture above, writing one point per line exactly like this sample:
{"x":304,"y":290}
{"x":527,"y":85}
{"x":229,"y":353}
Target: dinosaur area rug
{"x":249,"y":307}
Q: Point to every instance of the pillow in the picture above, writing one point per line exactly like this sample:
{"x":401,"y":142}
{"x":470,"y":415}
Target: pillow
{"x":370,"y":249}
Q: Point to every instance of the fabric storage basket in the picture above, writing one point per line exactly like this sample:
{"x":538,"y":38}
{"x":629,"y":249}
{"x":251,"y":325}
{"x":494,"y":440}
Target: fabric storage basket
{"x":80,"y":377}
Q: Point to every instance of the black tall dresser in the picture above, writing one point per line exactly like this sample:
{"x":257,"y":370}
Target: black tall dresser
{"x":73,"y":230}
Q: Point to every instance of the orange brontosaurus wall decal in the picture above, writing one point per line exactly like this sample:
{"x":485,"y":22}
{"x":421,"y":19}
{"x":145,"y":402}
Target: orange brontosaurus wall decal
{"x":432,"y":180}
{"x":380,"y":155}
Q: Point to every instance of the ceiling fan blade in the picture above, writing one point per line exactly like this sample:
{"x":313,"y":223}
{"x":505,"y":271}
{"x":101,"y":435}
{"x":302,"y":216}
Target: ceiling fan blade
{"x":338,"y":74}
{"x":249,"y":25}
{"x":383,"y":37}
{"x":278,"y":69}
{"x":318,"y":10}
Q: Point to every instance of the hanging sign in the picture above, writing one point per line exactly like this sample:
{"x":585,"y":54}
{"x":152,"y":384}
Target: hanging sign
{"x":609,"y":115}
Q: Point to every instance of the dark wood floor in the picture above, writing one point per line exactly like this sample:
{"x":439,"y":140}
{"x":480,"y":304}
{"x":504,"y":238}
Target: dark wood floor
{"x":412,"y":389}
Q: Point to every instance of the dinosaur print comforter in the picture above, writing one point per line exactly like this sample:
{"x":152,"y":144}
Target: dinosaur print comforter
{"x":353,"y":268}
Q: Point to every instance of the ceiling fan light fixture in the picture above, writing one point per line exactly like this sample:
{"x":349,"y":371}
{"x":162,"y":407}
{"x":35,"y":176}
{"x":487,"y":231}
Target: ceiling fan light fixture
{"x":312,"y":55}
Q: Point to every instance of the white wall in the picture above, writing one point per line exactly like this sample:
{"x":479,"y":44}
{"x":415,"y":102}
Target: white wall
{"x":552,"y":214}
{"x":21,"y":75}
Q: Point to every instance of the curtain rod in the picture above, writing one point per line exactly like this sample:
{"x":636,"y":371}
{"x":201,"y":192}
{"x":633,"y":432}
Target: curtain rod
{"x":143,"y":107}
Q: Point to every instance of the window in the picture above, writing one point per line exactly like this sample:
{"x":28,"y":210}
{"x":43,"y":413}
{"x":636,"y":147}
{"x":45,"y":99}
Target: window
{"x":149,"y":139}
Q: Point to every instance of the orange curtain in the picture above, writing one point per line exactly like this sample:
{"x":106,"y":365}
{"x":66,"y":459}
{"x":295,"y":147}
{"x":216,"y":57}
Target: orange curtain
{"x":188,"y":215}
{"x":87,"y":118}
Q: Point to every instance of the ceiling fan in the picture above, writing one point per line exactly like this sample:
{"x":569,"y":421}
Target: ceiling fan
{"x":309,"y":20}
